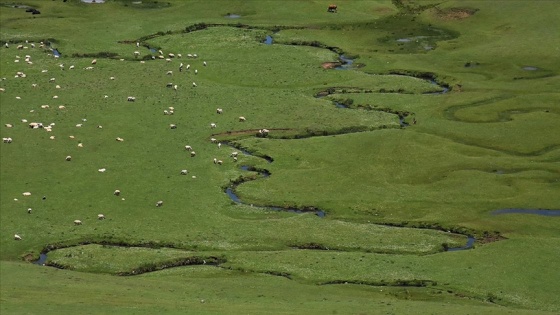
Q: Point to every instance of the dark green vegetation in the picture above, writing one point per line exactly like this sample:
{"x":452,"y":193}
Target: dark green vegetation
{"x":484,"y":138}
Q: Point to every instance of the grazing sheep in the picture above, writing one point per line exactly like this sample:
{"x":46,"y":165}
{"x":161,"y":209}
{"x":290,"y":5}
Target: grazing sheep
{"x":71,"y":137}
{"x":100,"y":217}
{"x":61,"y":107}
{"x":9,"y":125}
{"x":172,"y":126}
{"x":7,"y":140}
{"x":99,"y":127}
{"x":160,"y":52}
{"x":169,"y":72}
{"x":215,"y":160}
{"x":184,"y":172}
{"x":26,"y":193}
{"x":29,"y":210}
{"x":159,"y":203}
{"x":204,"y":63}
{"x":72,"y":67}
{"x":88,"y":68}
{"x":241,"y":119}
{"x":34,"y":85}
{"x":131,"y":99}
{"x":119,"y":139}
{"x":137,"y":44}
{"x":188,"y":67}
{"x":117,"y":192}
{"x":165,"y":112}
{"x":136,"y":54}
{"x":167,"y":59}
{"x":179,"y":56}
{"x":194,"y":84}
{"x":80,"y":145}
{"x":69,"y":158}
{"x":77,"y":222}
{"x":17,"y":237}
{"x":234,"y":154}
{"x":170,"y":84}
{"x":175,"y":87}
{"x":193,"y":153}
{"x":112,"y":78}
{"x":219,"y":162}
{"x":45,"y":106}
{"x":188,"y":148}
{"x":213,"y":140}
{"x":94,"y":61}
{"x":51,"y":79}
{"x":181,"y":67}
{"x":212,"y":125}
{"x":102,"y":170}
{"x":78,"y":125}
{"x":51,"y":137}
{"x":55,"y":97}
{"x":235,"y":158}
{"x":18,"y":98}
{"x":57,"y":86}
{"x":219,"y":145}
{"x":219,"y":110}
{"x":170,"y":55}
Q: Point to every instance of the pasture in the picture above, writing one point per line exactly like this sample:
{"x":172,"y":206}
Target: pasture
{"x":350,"y":188}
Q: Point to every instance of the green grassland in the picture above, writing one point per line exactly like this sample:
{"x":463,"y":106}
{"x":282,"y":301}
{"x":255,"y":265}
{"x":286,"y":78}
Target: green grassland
{"x":485,"y":137}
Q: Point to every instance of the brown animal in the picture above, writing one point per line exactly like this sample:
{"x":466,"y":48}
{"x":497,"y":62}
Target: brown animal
{"x":332,"y":8}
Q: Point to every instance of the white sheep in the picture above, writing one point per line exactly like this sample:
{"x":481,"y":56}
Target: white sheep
{"x":94,"y":61}
{"x":45,"y":106}
{"x":78,"y":125}
{"x":213,"y":140}
{"x":77,"y":222}
{"x":131,"y":99}
{"x":29,"y":210}
{"x":242,"y":119}
{"x":168,"y":59}
{"x":80,"y":145}
{"x":55,"y":97}
{"x":193,"y":153}
{"x":51,"y":79}
{"x":7,"y":140}
{"x":26,"y":193}
{"x":159,"y":203}
{"x":219,"y":145}
{"x":51,"y":137}
{"x":219,"y":162}
{"x":102,"y":170}
{"x":117,"y":192}
{"x":169,"y":72}
{"x":100,"y":217}
{"x":17,"y":237}
{"x":212,"y":125}
{"x":69,"y":158}
{"x":175,"y":87}
{"x":57,"y":86}
{"x":61,"y":107}
{"x":184,"y":172}
{"x":188,"y":148}
{"x":195,"y":71}
{"x":234,"y":154}
{"x":137,"y":44}
{"x":219,"y":110}
{"x":119,"y":139}
{"x":170,"y":55}
{"x":72,"y":67}
{"x":204,"y":63}
{"x":9,"y":125}
{"x":194,"y":84}
{"x":172,"y":126}
{"x":136,"y":54}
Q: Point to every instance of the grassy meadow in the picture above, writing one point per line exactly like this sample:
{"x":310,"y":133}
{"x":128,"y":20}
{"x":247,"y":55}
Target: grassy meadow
{"x":448,"y":112}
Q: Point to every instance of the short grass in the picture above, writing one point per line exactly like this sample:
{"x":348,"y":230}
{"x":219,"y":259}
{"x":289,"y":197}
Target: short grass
{"x":489,"y":143}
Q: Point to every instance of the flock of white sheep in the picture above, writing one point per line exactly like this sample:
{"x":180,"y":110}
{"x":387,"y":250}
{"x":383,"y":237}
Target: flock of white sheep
{"x":169,"y":111}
